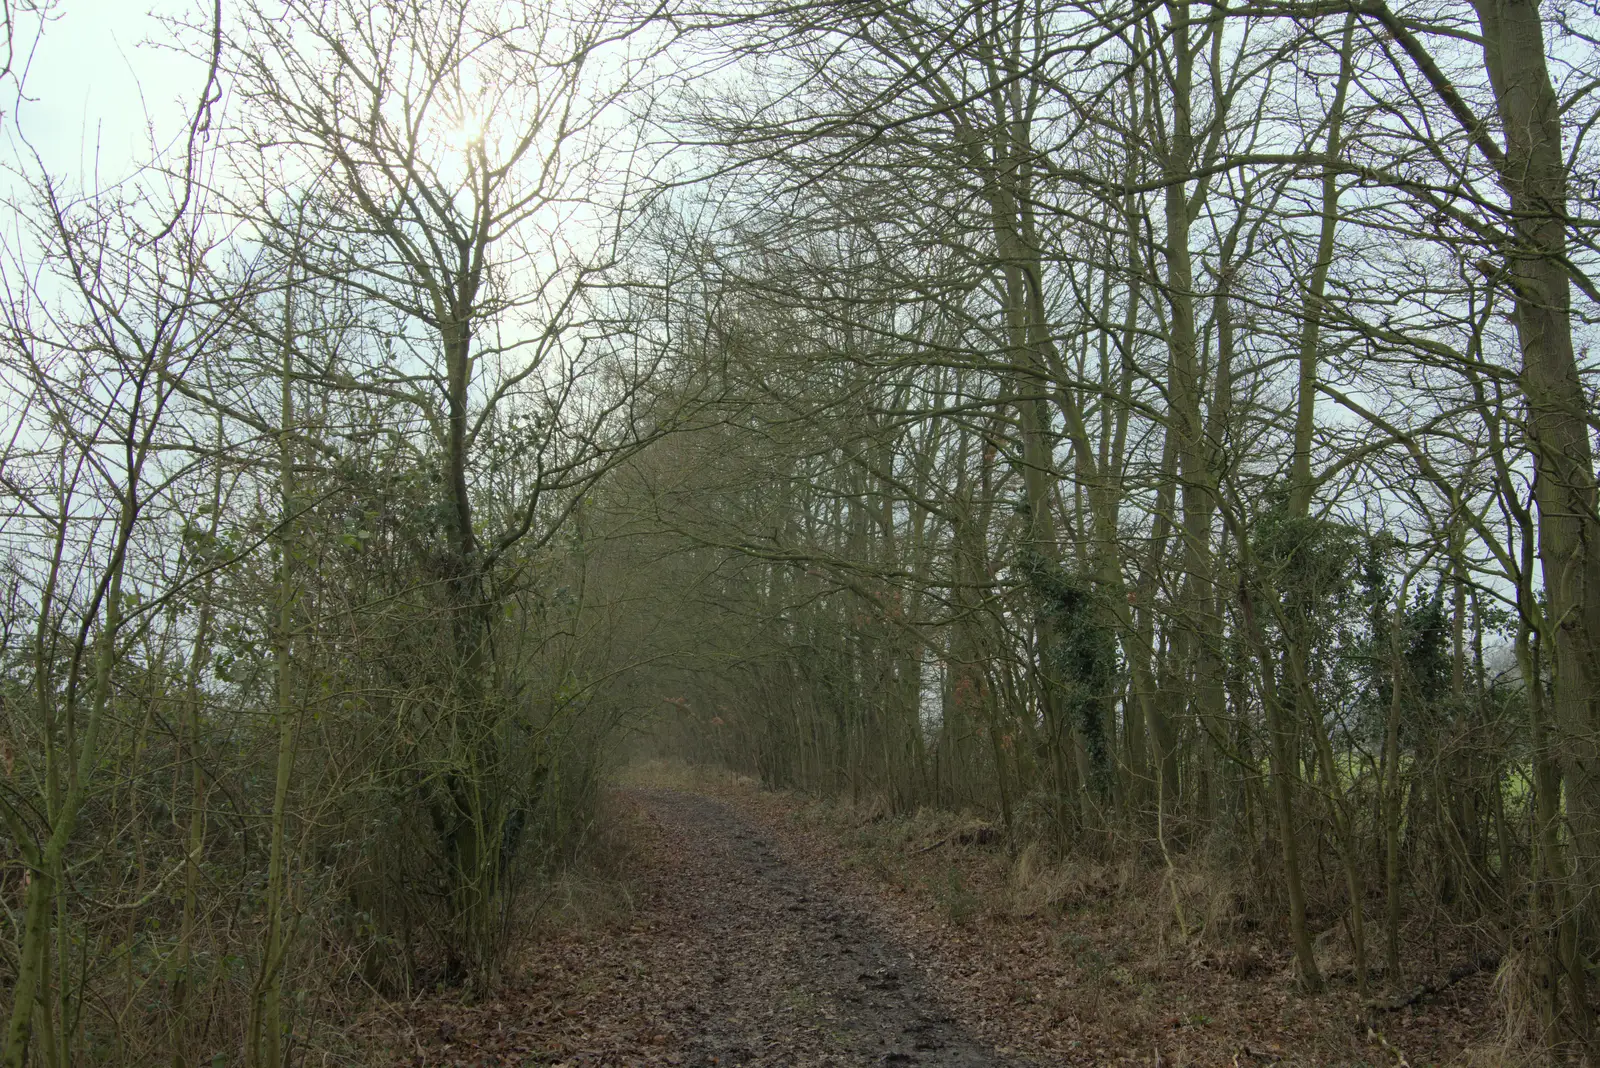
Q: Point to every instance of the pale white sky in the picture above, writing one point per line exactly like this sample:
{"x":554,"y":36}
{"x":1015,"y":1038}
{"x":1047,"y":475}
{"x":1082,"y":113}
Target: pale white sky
{"x":98,"y":85}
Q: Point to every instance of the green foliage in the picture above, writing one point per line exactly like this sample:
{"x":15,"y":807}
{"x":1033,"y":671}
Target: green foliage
{"x":1427,"y":645}
{"x":1312,"y":561}
{"x":1081,"y":659}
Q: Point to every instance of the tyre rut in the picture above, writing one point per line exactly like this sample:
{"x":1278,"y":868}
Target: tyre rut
{"x":792,"y":975}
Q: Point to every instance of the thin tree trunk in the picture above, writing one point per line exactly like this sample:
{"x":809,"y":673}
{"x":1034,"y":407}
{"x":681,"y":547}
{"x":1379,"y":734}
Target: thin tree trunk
{"x":265,"y":1025}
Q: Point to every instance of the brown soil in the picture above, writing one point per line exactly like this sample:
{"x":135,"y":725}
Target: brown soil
{"x":733,"y":956}
{"x":759,"y":933}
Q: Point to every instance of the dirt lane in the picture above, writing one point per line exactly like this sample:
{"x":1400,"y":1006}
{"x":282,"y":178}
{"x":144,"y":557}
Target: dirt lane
{"x":733,"y":930}
{"x":729,"y":957}
{"x":792,"y":975}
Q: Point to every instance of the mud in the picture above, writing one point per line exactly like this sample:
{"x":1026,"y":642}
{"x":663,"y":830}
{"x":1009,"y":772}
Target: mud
{"x":792,"y":975}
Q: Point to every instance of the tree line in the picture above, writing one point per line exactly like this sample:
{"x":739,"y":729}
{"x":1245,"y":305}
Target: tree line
{"x":1165,"y":428}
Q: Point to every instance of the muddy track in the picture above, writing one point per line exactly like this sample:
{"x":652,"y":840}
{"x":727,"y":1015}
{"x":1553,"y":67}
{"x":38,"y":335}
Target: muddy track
{"x":722,"y":936}
{"x":728,"y":955}
{"x":791,"y":974}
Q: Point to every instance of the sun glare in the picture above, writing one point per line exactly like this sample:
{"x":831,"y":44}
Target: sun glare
{"x":466,"y":134}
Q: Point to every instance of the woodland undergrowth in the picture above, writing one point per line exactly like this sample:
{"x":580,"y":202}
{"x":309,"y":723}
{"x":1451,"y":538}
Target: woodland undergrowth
{"x":1052,"y":951}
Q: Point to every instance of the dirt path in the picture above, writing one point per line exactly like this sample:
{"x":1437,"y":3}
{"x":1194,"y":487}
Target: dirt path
{"x":741,"y":928}
{"x":796,"y":976}
{"x":732,"y":957}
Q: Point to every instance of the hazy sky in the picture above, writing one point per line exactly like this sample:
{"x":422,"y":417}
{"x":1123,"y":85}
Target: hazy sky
{"x":98,"y":85}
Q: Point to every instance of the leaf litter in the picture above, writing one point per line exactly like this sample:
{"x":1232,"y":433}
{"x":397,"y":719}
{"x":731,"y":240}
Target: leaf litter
{"x":760,"y":933}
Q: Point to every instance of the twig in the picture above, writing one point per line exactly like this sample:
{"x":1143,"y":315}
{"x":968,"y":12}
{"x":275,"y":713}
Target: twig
{"x":1396,"y":1002}
{"x":1399,"y":1057}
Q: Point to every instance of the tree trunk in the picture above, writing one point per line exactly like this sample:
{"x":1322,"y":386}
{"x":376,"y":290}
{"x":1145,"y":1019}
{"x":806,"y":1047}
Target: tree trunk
{"x":1533,"y":174}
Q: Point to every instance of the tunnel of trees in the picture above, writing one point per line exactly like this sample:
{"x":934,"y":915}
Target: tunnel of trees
{"x":1163,"y":428}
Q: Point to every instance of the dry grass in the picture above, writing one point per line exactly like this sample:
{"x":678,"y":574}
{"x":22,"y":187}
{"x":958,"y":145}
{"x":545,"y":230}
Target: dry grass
{"x":661,"y":774}
{"x":1077,"y":960}
{"x":1066,"y":958}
